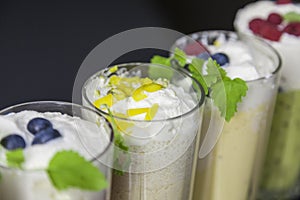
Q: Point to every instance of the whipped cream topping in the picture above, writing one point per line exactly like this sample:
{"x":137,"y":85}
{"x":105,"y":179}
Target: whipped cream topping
{"x":261,"y":9}
{"x":242,"y":63}
{"x":147,"y":113}
{"x":78,"y":135}
{"x":287,"y":46}
{"x":171,"y":101}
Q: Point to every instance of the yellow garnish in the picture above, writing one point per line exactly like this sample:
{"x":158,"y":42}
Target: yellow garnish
{"x":217,"y":43}
{"x":137,"y":111}
{"x":118,"y":94}
{"x":108,"y":100}
{"x":152,"y":87}
{"x":146,"y":81}
{"x":152,"y":112}
{"x":114,"y":80}
{"x":138,"y":94}
{"x":123,"y":125}
{"x":113,"y":69}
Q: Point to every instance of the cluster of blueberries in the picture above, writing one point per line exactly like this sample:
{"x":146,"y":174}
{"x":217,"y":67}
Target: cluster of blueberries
{"x":41,"y":128}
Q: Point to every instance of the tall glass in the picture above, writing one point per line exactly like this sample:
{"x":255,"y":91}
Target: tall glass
{"x":159,"y":162}
{"x":281,"y":176}
{"x":34,"y":184}
{"x":232,"y":168}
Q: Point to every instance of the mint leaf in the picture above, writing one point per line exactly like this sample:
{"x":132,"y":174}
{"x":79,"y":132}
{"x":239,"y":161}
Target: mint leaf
{"x":196,"y":68}
{"x":68,"y":169}
{"x":161,"y":60}
{"x":226,"y":94}
{"x":180,"y":56}
{"x":15,"y":158}
{"x":214,"y":72}
{"x":154,"y":73}
{"x":292,"y":17}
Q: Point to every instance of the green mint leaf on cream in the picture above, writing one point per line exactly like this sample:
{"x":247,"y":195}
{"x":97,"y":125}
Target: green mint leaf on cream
{"x":161,"y":60}
{"x":195,"y":69}
{"x":15,"y":158}
{"x":180,"y":56}
{"x":225,"y":92}
{"x":68,"y":169}
{"x":292,"y":17}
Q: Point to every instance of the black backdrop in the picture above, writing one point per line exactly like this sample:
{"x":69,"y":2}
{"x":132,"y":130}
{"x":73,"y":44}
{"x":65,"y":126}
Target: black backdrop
{"x":43,"y":43}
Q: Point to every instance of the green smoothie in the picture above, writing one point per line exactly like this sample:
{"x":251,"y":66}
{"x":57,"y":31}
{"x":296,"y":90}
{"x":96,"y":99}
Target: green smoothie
{"x":282,"y":168}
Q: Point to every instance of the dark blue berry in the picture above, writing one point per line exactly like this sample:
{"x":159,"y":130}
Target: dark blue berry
{"x":45,"y":135}
{"x":37,"y":124}
{"x":13,"y":141}
{"x":221,"y":58}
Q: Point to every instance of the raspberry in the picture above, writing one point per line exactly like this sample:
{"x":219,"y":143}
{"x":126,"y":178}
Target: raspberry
{"x":194,"y":49}
{"x":283,"y":1}
{"x":292,"y":28}
{"x":270,"y":31}
{"x":274,"y":18}
{"x":256,"y":24}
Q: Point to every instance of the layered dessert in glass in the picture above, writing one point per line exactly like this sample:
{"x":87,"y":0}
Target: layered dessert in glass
{"x":157,"y":111}
{"x":231,"y":170}
{"x":278,"y":23}
{"x":54,"y":150}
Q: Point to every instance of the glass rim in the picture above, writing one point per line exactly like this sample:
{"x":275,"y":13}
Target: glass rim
{"x":238,"y":36}
{"x":199,"y":103}
{"x":111,"y":133}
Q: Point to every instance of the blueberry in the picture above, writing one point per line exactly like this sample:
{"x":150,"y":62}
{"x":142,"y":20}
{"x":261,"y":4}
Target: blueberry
{"x":45,"y":135}
{"x":13,"y":141}
{"x":221,"y":58}
{"x":37,"y":124}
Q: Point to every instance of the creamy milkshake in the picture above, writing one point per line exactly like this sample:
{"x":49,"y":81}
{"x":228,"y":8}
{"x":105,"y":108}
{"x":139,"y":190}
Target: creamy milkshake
{"x":278,"y":23}
{"x":157,"y":111}
{"x":231,"y":169}
{"x":52,"y":151}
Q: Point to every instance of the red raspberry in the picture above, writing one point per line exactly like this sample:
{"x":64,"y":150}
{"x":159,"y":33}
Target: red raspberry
{"x":292,"y":28}
{"x":270,"y":31}
{"x":194,"y":49}
{"x":283,"y":1}
{"x":274,"y":18}
{"x":256,"y":24}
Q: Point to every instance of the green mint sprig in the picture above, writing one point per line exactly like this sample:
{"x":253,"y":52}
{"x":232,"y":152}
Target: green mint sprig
{"x":225,"y":92}
{"x":66,"y":169}
{"x":15,"y":158}
{"x":292,"y":17}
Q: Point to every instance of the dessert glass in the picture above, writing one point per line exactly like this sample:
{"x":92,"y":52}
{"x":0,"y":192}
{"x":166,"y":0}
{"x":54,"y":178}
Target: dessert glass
{"x":281,"y":175}
{"x":34,"y":184}
{"x":159,"y":161}
{"x":232,"y":168}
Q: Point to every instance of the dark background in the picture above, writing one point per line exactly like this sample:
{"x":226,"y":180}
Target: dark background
{"x":43,"y":43}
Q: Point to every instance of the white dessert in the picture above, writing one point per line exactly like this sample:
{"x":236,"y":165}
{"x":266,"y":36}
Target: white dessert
{"x":282,"y":167}
{"x":161,"y":147}
{"x":231,"y":168}
{"x":32,"y":182}
{"x":287,"y":46}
